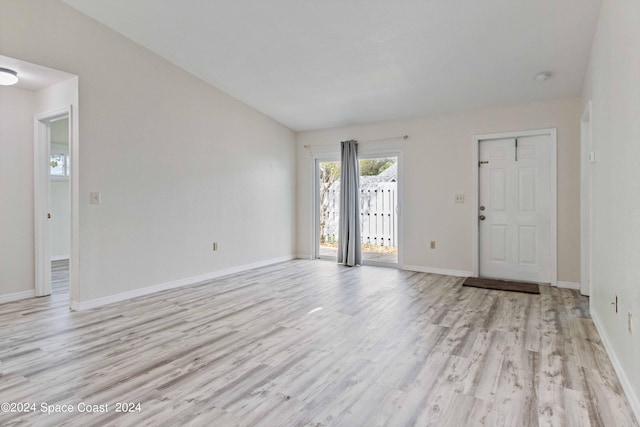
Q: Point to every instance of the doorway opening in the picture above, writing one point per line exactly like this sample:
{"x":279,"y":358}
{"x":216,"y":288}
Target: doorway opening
{"x":60,"y":191}
{"x":53,"y":202}
{"x":45,"y":101}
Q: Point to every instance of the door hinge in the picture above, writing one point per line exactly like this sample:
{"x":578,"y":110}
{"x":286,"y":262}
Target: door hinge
{"x":483,"y":162}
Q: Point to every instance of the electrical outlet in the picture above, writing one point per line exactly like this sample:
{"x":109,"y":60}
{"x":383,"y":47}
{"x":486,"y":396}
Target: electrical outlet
{"x":215,"y":246}
{"x":459,"y":198}
{"x":629,"y":322}
{"x":433,"y":244}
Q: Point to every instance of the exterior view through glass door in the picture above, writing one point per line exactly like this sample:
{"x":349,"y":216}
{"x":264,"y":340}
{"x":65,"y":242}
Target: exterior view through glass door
{"x":329,"y":206}
{"x":378,"y":209}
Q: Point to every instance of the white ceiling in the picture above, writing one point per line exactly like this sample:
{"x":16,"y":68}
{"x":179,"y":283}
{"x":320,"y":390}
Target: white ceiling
{"x":31,"y":76}
{"x":325,"y":63}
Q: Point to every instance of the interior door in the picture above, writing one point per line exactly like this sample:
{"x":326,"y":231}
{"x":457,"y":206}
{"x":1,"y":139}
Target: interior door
{"x":515,"y":209}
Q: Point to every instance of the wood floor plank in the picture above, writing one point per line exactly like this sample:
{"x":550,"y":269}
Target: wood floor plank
{"x":313,"y":343}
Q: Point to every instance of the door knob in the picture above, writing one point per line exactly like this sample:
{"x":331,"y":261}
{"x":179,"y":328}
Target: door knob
{"x":482,"y":217}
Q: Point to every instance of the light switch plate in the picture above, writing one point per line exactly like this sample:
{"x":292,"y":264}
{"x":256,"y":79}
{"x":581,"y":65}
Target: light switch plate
{"x":592,"y":156}
{"x":95,"y":198}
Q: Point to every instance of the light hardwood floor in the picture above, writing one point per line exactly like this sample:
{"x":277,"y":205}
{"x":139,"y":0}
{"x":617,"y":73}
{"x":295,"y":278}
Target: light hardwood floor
{"x":60,"y":277}
{"x":313,"y":343}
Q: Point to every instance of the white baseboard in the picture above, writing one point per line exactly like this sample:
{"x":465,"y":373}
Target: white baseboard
{"x":59,"y":257}
{"x":634,"y":402}
{"x":568,"y":285}
{"x":17,"y":296}
{"x":444,"y":271}
{"x":303,"y":256}
{"x":110,"y":299}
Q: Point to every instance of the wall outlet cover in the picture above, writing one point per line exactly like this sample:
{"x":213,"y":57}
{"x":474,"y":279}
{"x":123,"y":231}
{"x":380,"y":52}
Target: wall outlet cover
{"x":95,"y":198}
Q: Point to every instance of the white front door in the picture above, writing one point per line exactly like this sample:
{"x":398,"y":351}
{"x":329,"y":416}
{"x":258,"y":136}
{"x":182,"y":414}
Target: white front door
{"x":515,"y":208}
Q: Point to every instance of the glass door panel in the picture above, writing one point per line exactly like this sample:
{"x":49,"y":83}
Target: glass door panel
{"x":379,"y":209}
{"x":329,"y":208}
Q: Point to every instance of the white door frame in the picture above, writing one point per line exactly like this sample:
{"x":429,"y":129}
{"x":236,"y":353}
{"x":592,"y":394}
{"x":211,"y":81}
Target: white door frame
{"x":586,"y":246}
{"x":553,"y":249}
{"x":364,"y":153}
{"x":42,"y":195}
{"x":315,"y":226}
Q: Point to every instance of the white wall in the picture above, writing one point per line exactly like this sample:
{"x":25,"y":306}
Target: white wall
{"x":179,"y":164}
{"x":437,"y":165}
{"x":613,"y":84}
{"x":16,"y":191}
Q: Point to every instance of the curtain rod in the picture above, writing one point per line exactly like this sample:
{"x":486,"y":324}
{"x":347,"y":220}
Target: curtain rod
{"x":405,"y":137}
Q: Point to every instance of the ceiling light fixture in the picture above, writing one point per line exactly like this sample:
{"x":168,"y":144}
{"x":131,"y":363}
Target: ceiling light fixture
{"x":8,"y":77}
{"x":541,"y":77}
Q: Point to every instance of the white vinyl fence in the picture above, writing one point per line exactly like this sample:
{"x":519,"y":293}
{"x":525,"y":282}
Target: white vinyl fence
{"x":378,"y":213}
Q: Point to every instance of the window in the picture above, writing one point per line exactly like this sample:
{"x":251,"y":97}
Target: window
{"x":60,"y":165}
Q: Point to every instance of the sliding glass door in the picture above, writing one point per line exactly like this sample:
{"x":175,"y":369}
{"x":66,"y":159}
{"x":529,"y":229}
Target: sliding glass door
{"x":379,"y":209}
{"x":379,"y":220}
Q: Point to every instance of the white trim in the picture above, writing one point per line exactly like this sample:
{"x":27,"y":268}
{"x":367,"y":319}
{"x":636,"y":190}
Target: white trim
{"x":110,"y":299}
{"x":586,"y":244}
{"x":553,"y":250}
{"x":17,"y":296}
{"x":568,"y":285}
{"x":316,"y":158}
{"x":303,"y":256}
{"x":634,"y":402}
{"x":59,"y":257}
{"x":443,"y":271}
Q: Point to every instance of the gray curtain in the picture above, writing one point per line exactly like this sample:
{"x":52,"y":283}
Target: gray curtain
{"x":349,"y":251}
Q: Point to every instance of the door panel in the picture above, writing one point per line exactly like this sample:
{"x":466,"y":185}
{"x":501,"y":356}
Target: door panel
{"x":527,"y":189}
{"x":515,"y":192}
{"x":498,"y":243}
{"x":498,"y":188}
{"x":527,"y":241}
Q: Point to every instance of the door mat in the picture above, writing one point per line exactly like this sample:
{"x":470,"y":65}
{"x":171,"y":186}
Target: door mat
{"x":502,"y":285}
